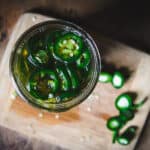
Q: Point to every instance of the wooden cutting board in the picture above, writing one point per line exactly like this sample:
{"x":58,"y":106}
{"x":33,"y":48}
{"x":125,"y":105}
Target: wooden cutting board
{"x":83,"y":127}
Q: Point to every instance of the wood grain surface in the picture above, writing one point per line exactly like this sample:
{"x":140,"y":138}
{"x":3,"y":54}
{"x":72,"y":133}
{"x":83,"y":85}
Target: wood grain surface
{"x":83,"y":127}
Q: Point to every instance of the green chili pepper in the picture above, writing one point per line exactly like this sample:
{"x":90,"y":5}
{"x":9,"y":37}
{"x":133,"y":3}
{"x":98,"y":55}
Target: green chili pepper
{"x":73,"y":77}
{"x":84,"y":59}
{"x":125,"y":102}
{"x":64,"y":78}
{"x":64,"y":96}
{"x":126,"y":115}
{"x":41,"y":57}
{"x":115,"y":136}
{"x":38,"y":50}
{"x":127,"y":136}
{"x":42,"y":83}
{"x":114,"y":123}
{"x":68,"y":47}
{"x":139,"y":104}
{"x":105,"y":77}
{"x":118,"y":80}
{"x":51,"y":39}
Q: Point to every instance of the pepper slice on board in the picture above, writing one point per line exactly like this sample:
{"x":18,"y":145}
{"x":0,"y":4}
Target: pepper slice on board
{"x":124,"y":102}
{"x":105,"y":77}
{"x":118,"y":80}
{"x":127,"y":136}
{"x":126,"y":115}
{"x":114,"y":123}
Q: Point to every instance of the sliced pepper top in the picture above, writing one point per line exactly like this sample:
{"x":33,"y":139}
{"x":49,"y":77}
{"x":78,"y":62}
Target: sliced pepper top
{"x":128,"y":135}
{"x":118,"y":80}
{"x":42,"y":83}
{"x":123,"y":102}
{"x":68,"y":47}
{"x":114,"y":123}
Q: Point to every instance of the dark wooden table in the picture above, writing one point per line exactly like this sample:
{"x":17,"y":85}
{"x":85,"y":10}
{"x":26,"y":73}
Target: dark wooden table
{"x":128,"y":22}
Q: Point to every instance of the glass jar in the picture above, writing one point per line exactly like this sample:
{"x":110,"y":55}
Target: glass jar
{"x":17,"y":75}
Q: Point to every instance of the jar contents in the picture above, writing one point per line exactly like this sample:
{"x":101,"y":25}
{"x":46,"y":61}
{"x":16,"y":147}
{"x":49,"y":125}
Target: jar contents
{"x":54,"y":66}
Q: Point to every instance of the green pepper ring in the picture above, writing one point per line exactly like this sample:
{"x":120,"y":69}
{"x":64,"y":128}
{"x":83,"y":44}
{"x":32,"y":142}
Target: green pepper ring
{"x":33,"y":83}
{"x":127,"y":136}
{"x":68,"y":54}
{"x":118,"y":80}
{"x":114,"y":123}
{"x":124,"y":102}
{"x":105,"y":77}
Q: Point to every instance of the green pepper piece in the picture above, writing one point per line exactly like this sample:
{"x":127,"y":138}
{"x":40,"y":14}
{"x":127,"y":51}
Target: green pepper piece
{"x":123,"y":102}
{"x":42,"y":83}
{"x":63,"y":76}
{"x":38,"y":50}
{"x":65,"y":96}
{"x":68,"y":48}
{"x":126,"y":115}
{"x":52,"y":37}
{"x":115,"y":136}
{"x":127,"y":136}
{"x":41,"y":57}
{"x":114,"y":123}
{"x":118,"y":80}
{"x":73,"y":77}
{"x":105,"y":77}
{"x":84,"y":59}
{"x":139,"y":104}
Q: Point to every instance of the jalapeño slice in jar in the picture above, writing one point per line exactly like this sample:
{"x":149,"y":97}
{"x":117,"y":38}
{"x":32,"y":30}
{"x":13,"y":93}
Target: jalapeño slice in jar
{"x":73,"y":77}
{"x":51,"y":39}
{"x":65,"y":96}
{"x":42,"y":83}
{"x":38,"y":50}
{"x":65,"y":82}
{"x":84,"y":59}
{"x":68,"y":47}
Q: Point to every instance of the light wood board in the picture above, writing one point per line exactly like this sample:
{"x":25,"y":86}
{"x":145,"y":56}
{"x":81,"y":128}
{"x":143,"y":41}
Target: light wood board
{"x":83,"y":127}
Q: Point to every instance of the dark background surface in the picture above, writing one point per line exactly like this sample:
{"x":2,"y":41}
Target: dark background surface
{"x":126,"y":21}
